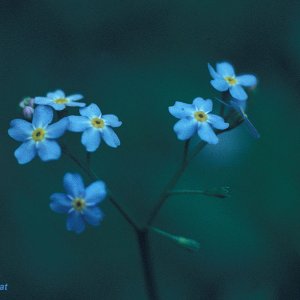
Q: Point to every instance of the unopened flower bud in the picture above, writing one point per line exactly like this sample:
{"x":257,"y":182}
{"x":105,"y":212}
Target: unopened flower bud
{"x":27,"y":101}
{"x":28,"y":112}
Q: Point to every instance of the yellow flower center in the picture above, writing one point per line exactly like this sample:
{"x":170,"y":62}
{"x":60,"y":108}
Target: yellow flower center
{"x":61,"y":100}
{"x":78,"y":204}
{"x":230,"y":80}
{"x":200,"y":116}
{"x":98,"y":123}
{"x":38,"y":134}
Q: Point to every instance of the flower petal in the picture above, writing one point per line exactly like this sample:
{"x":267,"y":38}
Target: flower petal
{"x":217,"y":122}
{"x":212,"y":72}
{"x":42,"y":116}
{"x":95,"y":192}
{"x":20,"y":130}
{"x":75,"y":97}
{"x":58,"y":94}
{"x":91,"y":139}
{"x":93,"y":215}
{"x":78,"y":123}
{"x":42,"y":100}
{"x":48,"y":150}
{"x":61,"y":203}
{"x":220,"y":84}
{"x":185,"y":128}
{"x":203,"y":105}
{"x":112,"y":120}
{"x":110,"y":137}
{"x":238,"y":92}
{"x":75,"y":222}
{"x":206,"y":133}
{"x":57,"y":129}
{"x":247,"y":80}
{"x":225,"y":69}
{"x":75,"y":104}
{"x":26,"y":152}
{"x":91,"y":111}
{"x":73,"y":184}
{"x":57,"y":106}
{"x":180,"y":110}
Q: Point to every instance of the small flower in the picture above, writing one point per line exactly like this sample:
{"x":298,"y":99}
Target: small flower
{"x":38,"y":137}
{"x":224,"y":78}
{"x":196,"y":117}
{"x":58,"y":100}
{"x":27,"y":101}
{"x":79,"y":203}
{"x":95,"y":126}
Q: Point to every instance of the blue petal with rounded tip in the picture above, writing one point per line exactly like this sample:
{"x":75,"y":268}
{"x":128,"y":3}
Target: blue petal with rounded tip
{"x":110,"y":137}
{"x":225,"y":69}
{"x":57,"y":106}
{"x":206,"y":133}
{"x":220,"y":84}
{"x":26,"y":152}
{"x":48,"y":150}
{"x":20,"y":130}
{"x":217,"y":122}
{"x":75,"y":97}
{"x":93,"y":215}
{"x":75,"y":104}
{"x":42,"y":116}
{"x":57,"y":129}
{"x":112,"y":120}
{"x":247,"y":80}
{"x":42,"y":100}
{"x":180,"y":110}
{"x":58,"y":94}
{"x":185,"y":128}
{"x":238,"y":92}
{"x":73,"y":185}
{"x":61,"y":203}
{"x":75,"y":222}
{"x":203,"y":105}
{"x":91,"y":139}
{"x":95,"y":192}
{"x":212,"y":72}
{"x":78,"y":123}
{"x":90,"y":111}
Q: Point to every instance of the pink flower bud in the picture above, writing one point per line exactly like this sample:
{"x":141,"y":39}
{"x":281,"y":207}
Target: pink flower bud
{"x":28,"y":112}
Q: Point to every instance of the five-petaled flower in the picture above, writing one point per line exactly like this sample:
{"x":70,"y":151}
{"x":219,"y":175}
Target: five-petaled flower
{"x":196,"y":117}
{"x":38,"y":136}
{"x":58,"y":100}
{"x":224,"y":78}
{"x":79,"y":203}
{"x":95,"y":126}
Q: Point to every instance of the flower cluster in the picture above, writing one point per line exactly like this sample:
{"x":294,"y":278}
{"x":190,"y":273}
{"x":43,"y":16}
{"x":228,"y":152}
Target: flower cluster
{"x":197,"y":117}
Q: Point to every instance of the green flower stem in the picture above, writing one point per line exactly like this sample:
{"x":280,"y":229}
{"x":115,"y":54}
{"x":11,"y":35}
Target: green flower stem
{"x":93,"y":176}
{"x":199,"y":192}
{"x":165,"y":193}
{"x":144,"y":247}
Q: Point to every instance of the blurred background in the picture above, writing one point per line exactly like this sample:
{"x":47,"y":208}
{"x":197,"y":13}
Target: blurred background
{"x":134,"y":59}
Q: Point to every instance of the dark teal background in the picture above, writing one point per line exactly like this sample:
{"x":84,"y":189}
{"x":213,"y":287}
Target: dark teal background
{"x":134,"y":59}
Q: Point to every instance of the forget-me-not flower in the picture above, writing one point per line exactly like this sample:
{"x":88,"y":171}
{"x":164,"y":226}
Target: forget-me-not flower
{"x":38,"y":137}
{"x":196,"y":117}
{"x":224,"y":79}
{"x":58,"y":100}
{"x":95,"y":127}
{"x":78,"y":202}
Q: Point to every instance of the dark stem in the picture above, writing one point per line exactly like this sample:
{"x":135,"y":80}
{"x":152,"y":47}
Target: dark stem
{"x":165,"y":193}
{"x":143,"y":239}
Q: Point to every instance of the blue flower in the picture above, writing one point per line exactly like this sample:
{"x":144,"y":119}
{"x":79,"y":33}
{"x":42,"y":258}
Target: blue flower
{"x":58,"y":100}
{"x":196,"y":117}
{"x":224,"y":78}
{"x":79,"y":203}
{"x":38,"y":137}
{"x":95,"y":127}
